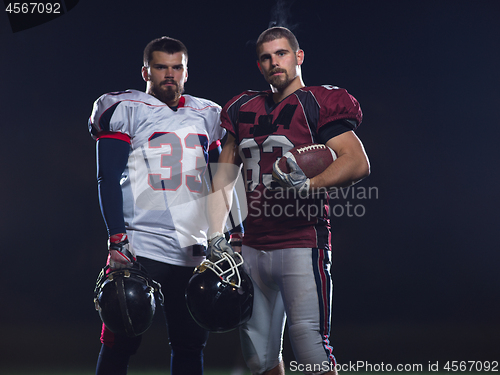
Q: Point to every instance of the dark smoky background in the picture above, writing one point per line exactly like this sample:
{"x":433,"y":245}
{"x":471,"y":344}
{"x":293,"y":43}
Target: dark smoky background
{"x":414,"y":260}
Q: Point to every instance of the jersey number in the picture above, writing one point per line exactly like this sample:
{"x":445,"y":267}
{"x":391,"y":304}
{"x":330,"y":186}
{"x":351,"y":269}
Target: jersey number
{"x":173,"y":161}
{"x":253,"y":154}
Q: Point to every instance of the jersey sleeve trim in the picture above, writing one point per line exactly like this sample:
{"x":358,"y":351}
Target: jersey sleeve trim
{"x":214,"y":145}
{"x":335,"y":128}
{"x":114,"y":135}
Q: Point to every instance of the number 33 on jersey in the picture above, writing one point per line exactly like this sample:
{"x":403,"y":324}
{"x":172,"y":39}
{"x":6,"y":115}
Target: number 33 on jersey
{"x":168,"y":156}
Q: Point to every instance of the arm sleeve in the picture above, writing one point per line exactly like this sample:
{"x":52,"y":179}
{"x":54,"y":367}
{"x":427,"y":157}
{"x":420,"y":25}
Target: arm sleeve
{"x":112,"y":157}
{"x":335,"y":128}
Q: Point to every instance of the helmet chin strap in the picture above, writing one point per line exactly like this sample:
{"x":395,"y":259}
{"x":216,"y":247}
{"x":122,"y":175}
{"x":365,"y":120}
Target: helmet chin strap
{"x":129,"y":327}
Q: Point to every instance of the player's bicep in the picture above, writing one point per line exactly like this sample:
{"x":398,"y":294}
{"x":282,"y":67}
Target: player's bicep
{"x":345,"y":143}
{"x":348,"y":146}
{"x":228,"y":166}
{"x":112,"y":158}
{"x":229,"y":153}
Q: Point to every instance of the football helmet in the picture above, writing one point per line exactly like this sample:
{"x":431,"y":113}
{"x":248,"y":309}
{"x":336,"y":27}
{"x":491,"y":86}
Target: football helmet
{"x":125,"y":299}
{"x":219,"y":295}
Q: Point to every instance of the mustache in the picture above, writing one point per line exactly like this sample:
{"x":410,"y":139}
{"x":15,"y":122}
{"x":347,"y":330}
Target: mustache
{"x":277,"y":70}
{"x":171,"y":81}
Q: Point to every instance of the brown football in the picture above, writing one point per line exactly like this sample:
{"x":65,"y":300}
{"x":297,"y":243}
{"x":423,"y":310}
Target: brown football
{"x":312,"y":158}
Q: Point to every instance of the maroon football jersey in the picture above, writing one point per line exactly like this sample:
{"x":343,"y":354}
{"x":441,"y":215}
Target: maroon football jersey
{"x":265,"y":131}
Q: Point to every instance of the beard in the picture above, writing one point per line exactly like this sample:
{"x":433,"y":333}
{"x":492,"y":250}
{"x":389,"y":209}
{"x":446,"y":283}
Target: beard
{"x":167,"y":94}
{"x":279,"y":82}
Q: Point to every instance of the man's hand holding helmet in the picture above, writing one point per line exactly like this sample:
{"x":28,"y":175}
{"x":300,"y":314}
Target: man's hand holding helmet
{"x":217,"y":245}
{"x":121,"y":253}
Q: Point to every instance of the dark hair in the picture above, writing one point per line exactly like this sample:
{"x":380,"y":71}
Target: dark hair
{"x":277,"y":32}
{"x":163,"y":44}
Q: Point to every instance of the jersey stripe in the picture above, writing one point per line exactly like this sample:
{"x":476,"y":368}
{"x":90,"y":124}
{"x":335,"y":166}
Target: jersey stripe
{"x":320,"y":259}
{"x":114,"y":135}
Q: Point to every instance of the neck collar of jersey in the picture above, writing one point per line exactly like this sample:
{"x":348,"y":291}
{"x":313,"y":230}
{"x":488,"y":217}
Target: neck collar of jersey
{"x":182,"y":102}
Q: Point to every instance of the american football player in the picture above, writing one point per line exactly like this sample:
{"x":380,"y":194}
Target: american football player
{"x":286,"y":247}
{"x":152,"y":151}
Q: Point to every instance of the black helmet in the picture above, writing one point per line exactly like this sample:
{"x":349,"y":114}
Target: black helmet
{"x":219,"y":295}
{"x":125,"y":299}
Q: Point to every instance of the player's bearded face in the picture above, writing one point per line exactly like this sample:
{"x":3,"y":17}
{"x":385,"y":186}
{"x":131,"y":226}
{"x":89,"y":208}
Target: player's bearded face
{"x":166,"y":76}
{"x":279,"y":63}
{"x":279,"y":78}
{"x":168,"y":90}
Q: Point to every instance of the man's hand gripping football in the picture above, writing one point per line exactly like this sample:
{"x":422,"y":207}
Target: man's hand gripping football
{"x":296,"y":179}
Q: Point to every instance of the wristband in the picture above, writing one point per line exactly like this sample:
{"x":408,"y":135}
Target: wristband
{"x":118,"y":237}
{"x":236,"y":239}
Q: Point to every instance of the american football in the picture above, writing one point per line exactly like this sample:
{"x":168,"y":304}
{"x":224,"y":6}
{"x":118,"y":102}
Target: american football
{"x":312,"y":158}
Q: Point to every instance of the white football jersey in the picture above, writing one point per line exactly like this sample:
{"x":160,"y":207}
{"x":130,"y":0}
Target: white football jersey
{"x":164,"y":183}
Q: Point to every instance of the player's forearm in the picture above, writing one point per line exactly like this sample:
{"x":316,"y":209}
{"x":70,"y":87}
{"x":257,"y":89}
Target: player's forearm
{"x":345,"y":171}
{"x":351,"y":165}
{"x":218,"y":213}
{"x":111,"y":202}
{"x":221,"y":198}
{"x":227,"y":171}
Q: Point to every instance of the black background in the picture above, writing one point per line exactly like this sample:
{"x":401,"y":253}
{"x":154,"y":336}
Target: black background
{"x":415,"y":276}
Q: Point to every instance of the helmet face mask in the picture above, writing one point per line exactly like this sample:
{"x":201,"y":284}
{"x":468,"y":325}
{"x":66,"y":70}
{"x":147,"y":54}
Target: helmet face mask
{"x":125,"y":299}
{"x":219,"y":295}
{"x":226,"y":268}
